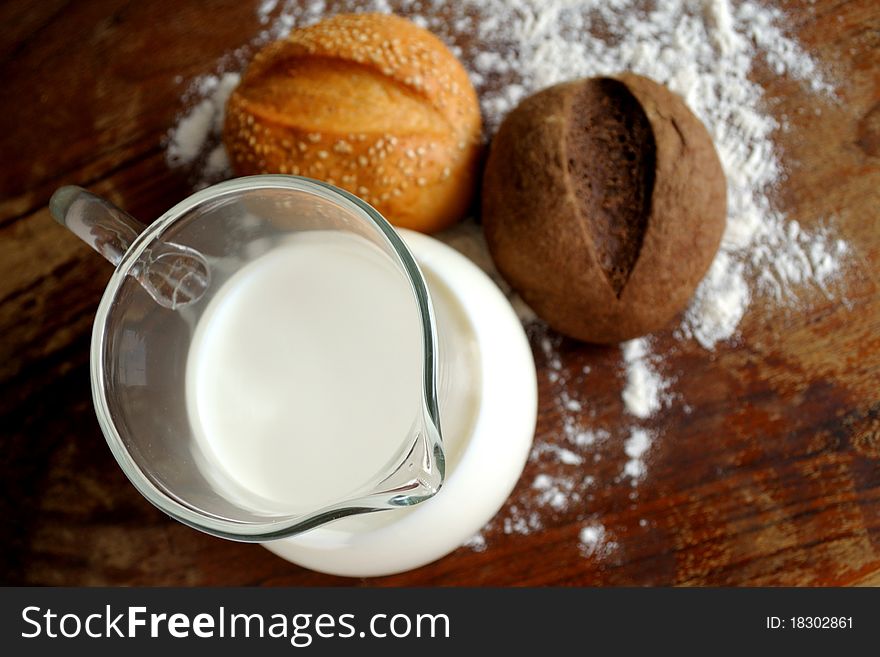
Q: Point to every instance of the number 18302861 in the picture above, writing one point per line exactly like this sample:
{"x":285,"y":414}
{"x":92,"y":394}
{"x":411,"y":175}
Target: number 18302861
{"x":809,"y":623}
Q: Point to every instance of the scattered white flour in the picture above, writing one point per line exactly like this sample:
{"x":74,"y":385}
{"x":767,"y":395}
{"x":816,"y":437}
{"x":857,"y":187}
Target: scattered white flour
{"x":217,"y":162}
{"x":555,"y":492}
{"x":584,"y":437}
{"x":196,"y":139}
{"x":643,"y":394}
{"x":635,"y":447}
{"x":593,"y":541}
{"x":264,"y":11}
{"x":191,"y":132}
{"x":560,"y":453}
{"x":705,"y":51}
{"x":720,"y":302}
{"x":477,"y":543}
{"x":521,"y":521}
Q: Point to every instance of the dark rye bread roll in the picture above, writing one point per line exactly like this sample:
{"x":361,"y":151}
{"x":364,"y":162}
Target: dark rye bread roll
{"x":604,"y":203}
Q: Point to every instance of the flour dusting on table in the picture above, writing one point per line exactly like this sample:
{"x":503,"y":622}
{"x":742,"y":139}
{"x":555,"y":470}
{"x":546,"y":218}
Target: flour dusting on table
{"x":645,"y":390}
{"x":706,"y":52}
{"x":593,"y":540}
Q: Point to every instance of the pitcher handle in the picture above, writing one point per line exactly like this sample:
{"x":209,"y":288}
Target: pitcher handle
{"x":173,"y":275}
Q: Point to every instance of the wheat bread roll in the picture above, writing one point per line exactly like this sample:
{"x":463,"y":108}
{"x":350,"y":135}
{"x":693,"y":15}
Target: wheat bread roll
{"x":604,"y":203}
{"x":371,"y":103}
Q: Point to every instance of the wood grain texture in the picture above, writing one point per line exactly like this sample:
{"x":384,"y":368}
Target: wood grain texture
{"x":773,"y":477}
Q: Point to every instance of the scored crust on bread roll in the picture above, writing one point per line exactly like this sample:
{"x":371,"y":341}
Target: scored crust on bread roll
{"x":604,"y":203}
{"x":371,"y":103}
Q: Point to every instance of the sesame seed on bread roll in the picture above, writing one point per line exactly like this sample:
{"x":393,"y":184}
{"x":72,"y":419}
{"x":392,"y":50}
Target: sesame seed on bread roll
{"x":371,"y":103}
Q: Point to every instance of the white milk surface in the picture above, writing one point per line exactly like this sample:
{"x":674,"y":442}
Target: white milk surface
{"x":304,"y":374}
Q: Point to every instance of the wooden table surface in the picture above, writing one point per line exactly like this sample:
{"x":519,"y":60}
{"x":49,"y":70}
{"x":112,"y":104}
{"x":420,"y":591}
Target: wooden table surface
{"x":772,"y":478}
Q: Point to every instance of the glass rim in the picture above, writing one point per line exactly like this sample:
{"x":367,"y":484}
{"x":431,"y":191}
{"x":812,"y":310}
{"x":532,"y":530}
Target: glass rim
{"x":176,"y":508}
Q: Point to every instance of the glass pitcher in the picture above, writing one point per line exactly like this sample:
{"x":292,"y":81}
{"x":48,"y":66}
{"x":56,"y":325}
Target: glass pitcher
{"x":166,"y":276}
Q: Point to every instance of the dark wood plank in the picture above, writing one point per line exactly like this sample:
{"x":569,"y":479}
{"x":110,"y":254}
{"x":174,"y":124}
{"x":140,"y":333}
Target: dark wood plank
{"x":772,"y":478}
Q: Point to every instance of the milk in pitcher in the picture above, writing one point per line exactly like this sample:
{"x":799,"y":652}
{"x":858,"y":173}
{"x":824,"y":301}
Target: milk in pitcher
{"x":303,"y":379}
